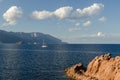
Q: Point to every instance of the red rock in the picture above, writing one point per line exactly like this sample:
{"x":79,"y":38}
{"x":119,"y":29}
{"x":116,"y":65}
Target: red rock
{"x":100,"y":68}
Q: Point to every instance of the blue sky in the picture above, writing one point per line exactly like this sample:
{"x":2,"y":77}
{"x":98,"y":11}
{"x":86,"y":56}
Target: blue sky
{"x":73,"y":21}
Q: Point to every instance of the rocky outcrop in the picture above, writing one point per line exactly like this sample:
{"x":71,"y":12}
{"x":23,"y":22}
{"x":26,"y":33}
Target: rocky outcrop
{"x":100,"y":68}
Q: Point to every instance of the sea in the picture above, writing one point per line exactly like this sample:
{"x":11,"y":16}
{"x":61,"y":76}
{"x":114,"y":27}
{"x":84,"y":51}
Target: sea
{"x":32,"y":62}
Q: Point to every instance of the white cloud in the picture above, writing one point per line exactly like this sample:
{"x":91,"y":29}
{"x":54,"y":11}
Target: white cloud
{"x":60,"y":13}
{"x":87,"y":23}
{"x":12,"y":15}
{"x":102,"y":19}
{"x":92,"y":10}
{"x":68,"y":12}
{"x":100,"y":34}
{"x":88,"y":11}
{"x":74,"y":29}
{"x":63,"y":12}
{"x":42,"y":15}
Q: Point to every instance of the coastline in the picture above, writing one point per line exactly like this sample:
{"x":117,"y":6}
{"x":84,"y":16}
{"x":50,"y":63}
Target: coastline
{"x":100,"y":68}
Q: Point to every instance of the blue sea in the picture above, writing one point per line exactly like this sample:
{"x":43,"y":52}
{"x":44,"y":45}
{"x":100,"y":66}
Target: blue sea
{"x":31,"y":62}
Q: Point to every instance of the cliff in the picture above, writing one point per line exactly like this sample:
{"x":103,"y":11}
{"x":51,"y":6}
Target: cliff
{"x":100,"y":68}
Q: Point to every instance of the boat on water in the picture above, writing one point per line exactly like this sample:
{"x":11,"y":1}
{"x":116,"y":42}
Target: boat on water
{"x":44,"y":45}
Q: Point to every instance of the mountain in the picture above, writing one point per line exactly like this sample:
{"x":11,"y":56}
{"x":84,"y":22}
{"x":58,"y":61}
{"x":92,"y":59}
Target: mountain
{"x":27,"y":38}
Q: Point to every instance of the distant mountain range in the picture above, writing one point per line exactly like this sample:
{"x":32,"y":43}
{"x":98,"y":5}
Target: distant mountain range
{"x":27,"y":38}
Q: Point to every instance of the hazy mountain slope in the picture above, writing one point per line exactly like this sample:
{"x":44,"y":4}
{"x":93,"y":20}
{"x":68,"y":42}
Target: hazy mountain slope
{"x":21,"y":37}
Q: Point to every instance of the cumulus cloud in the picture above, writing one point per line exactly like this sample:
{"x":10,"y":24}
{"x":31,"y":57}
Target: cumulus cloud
{"x":12,"y":15}
{"x":102,"y":19}
{"x":60,"y":13}
{"x":100,"y":34}
{"x":63,"y":12}
{"x":42,"y":15}
{"x":87,"y":23}
{"x":68,"y":12}
{"x":88,"y":11}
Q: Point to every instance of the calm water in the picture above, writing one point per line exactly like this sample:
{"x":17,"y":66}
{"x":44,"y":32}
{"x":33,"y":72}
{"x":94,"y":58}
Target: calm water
{"x":31,"y":62}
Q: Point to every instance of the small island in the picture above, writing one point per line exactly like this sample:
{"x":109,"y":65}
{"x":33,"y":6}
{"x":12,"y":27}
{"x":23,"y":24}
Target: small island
{"x":100,"y":68}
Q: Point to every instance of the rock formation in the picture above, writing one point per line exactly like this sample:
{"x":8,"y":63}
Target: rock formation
{"x":100,"y":68}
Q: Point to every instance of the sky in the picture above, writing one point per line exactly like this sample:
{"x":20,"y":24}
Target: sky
{"x":72,"y":21}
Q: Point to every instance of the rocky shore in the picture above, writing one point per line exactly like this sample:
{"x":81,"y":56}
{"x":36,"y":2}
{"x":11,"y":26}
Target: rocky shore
{"x":100,"y":68}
